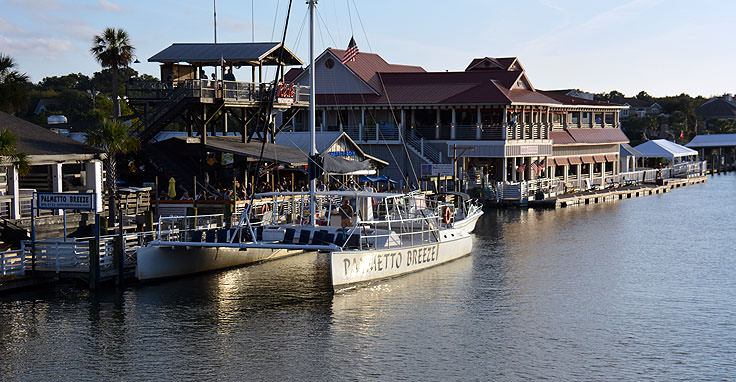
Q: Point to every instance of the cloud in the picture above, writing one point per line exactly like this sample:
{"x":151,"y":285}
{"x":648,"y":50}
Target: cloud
{"x":38,"y":5}
{"x":12,"y":28}
{"x":45,"y":47}
{"x":110,"y":6}
{"x":590,"y":28}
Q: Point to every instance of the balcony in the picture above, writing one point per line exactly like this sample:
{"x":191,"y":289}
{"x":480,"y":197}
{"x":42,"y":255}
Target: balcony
{"x":231,"y":92}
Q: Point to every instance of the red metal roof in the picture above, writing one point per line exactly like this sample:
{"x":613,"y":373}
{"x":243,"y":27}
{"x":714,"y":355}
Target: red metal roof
{"x":561,"y":137}
{"x":599,"y":158}
{"x":611,"y":157}
{"x":587,"y":159}
{"x":607,"y":135}
{"x":570,"y":100}
{"x":368,"y":65}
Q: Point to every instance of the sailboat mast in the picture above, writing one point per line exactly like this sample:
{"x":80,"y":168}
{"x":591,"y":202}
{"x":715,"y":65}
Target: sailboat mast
{"x":312,"y":116}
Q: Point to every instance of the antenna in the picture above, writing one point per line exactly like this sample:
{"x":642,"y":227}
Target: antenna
{"x":214,"y":8}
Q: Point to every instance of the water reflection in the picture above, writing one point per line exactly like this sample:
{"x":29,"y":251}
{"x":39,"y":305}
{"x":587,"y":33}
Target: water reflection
{"x":641,"y":289}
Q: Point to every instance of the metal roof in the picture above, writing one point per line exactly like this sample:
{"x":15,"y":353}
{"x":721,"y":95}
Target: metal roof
{"x":662,"y":148}
{"x":241,"y":53}
{"x":626,"y":150}
{"x":713,"y":140}
{"x":271,"y":152}
{"x":41,"y":144}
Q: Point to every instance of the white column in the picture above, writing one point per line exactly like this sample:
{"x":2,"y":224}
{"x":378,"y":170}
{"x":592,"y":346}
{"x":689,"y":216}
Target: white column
{"x":504,"y":123}
{"x":402,"y":125}
{"x":14,"y":191}
{"x":505,"y":166}
{"x":94,"y":180}
{"x":324,"y":120}
{"x":478,"y":125}
{"x":437,"y":126}
{"x":514,"y":173}
{"x":454,"y":122}
{"x":362,"y":123}
{"x":56,"y":178}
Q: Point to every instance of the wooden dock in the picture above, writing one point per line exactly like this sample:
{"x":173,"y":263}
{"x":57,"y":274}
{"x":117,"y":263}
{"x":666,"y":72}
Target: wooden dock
{"x":615,"y":194}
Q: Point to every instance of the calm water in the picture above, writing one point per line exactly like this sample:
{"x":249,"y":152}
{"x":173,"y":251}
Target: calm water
{"x":643,"y":289}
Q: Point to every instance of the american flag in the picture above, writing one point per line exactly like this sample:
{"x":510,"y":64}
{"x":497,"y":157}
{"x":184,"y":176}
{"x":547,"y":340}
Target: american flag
{"x":536,"y":167}
{"x":351,"y":52}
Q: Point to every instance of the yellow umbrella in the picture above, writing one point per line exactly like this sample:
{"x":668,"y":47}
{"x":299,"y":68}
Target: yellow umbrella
{"x":172,"y":188}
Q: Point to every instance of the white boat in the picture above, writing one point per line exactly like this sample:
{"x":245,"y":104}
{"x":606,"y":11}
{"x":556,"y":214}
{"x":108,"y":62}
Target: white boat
{"x":388,"y":234}
{"x":462,"y":213}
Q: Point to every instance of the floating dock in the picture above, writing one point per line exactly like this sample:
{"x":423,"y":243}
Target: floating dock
{"x":616,"y":194}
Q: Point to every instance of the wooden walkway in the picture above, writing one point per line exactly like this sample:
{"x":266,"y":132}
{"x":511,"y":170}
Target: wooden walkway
{"x":616,"y":194}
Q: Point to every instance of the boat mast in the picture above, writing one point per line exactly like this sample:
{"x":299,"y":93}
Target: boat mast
{"x":312,"y":118}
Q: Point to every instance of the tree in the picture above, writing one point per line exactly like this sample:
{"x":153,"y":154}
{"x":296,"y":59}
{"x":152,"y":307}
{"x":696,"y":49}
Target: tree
{"x":113,"y":138}
{"x":13,"y":86}
{"x":113,"y":50}
{"x":8,"y":149}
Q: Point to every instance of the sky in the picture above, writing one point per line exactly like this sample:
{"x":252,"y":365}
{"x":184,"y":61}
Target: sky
{"x":664,"y":47}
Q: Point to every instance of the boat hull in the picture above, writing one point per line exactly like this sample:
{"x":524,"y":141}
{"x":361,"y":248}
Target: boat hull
{"x":352,"y":267}
{"x":468,"y":224}
{"x":156,"y":262}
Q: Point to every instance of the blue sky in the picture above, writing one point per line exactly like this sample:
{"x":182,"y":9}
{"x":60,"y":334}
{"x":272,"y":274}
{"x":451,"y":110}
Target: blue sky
{"x":665,"y":47}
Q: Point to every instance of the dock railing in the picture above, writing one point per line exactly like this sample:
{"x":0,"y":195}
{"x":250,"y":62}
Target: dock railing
{"x":523,"y":191}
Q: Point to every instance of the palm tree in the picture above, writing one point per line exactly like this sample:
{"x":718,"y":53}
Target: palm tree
{"x":9,"y":150}
{"x":12,"y":85}
{"x":113,"y":138}
{"x":113,"y":50}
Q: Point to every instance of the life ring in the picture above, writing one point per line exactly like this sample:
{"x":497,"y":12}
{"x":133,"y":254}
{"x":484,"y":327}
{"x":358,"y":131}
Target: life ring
{"x":447,"y":215}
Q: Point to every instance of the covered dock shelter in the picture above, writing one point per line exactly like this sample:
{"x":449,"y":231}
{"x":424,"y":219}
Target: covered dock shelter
{"x":718,"y":149}
{"x":670,"y":151}
{"x":199,"y":55}
{"x":58,"y":164}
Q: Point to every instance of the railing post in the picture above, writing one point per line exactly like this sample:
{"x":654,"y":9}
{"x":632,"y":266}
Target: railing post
{"x":94,"y":264}
{"x":478,"y":131}
{"x":360,"y":132}
{"x":421,"y":141}
{"x":377,"y":132}
{"x":23,"y":257}
{"x":2,"y":260}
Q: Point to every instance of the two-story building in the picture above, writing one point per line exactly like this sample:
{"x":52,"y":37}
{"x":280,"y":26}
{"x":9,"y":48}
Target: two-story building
{"x":489,"y":116}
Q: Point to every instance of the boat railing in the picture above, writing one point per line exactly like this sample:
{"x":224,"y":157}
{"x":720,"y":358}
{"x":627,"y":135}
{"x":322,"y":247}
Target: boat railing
{"x":182,"y":228}
{"x":394,"y":233}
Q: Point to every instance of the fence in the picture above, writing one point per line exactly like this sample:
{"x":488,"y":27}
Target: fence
{"x":522,"y":191}
{"x":70,"y":255}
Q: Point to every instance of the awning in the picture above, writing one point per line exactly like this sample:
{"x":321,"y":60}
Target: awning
{"x":560,"y":161}
{"x":587,"y":159}
{"x":376,"y":179}
{"x":611,"y":157}
{"x":252,"y":150}
{"x":337,"y":165}
{"x":574,"y":160}
{"x":599,"y":158}
{"x":660,"y":148}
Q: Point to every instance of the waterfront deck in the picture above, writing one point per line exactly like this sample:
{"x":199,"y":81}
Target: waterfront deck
{"x":614,"y":195}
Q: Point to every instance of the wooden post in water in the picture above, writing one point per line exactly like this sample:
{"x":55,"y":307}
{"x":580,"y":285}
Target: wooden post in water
{"x":119,"y":251}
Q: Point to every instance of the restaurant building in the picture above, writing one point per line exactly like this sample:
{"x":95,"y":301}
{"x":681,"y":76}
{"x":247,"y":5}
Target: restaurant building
{"x":488,"y":116}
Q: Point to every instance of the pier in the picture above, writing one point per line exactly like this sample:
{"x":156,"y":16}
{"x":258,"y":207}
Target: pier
{"x":606,"y":196}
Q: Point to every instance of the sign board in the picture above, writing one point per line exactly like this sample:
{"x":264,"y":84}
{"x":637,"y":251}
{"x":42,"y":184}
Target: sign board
{"x":529,"y":150}
{"x":442,"y":169}
{"x":286,"y":93}
{"x":62,"y":201}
